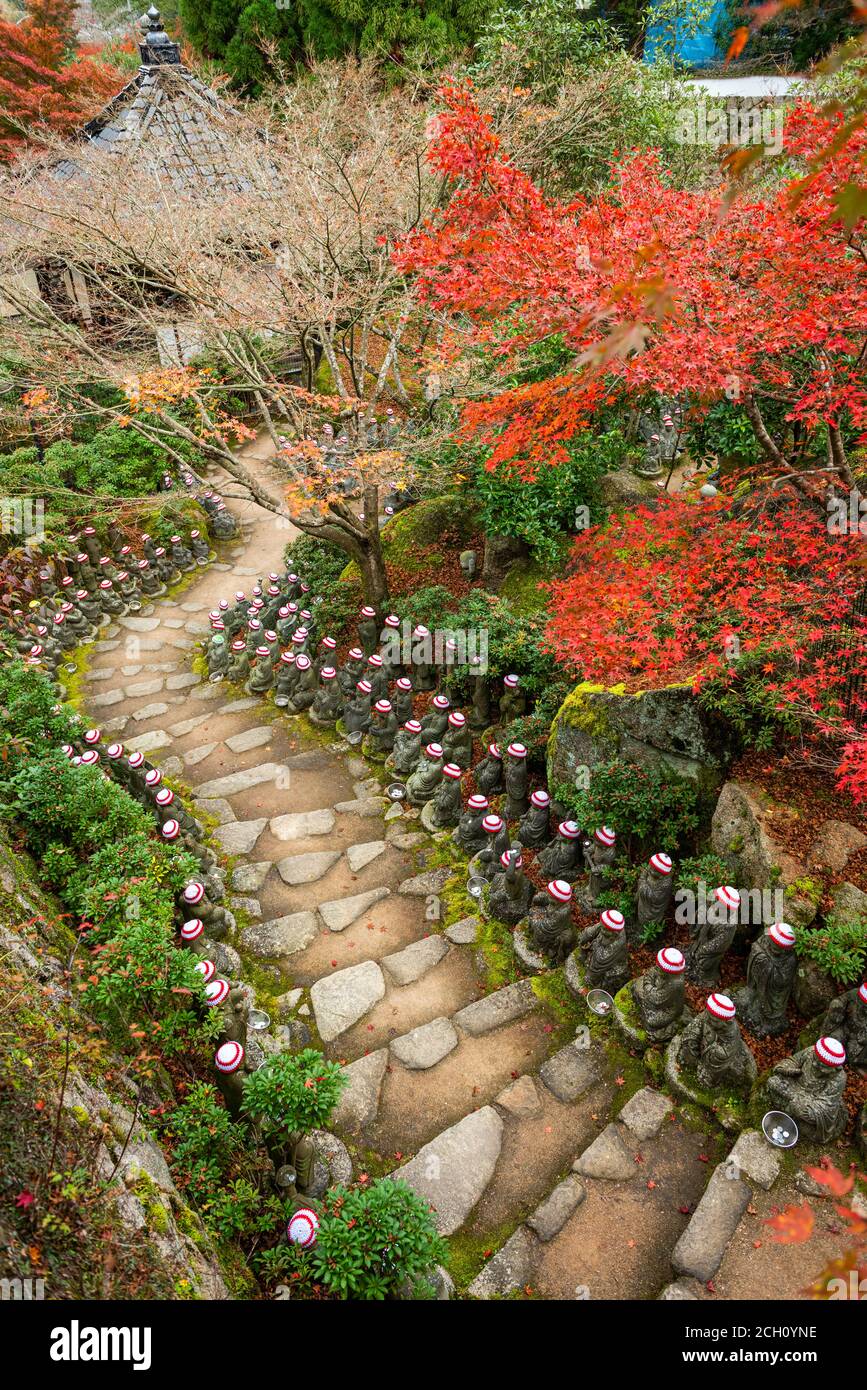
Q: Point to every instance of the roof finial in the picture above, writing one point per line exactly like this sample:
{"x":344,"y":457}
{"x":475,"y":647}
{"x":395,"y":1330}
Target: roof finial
{"x":156,"y":46}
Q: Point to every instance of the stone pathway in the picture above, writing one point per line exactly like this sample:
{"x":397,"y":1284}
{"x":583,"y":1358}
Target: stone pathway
{"x":470,"y":1097}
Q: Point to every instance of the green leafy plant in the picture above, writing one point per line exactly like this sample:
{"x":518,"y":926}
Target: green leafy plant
{"x":839,"y":948}
{"x":645,"y":805}
{"x":374,"y":1240}
{"x":294,"y":1092}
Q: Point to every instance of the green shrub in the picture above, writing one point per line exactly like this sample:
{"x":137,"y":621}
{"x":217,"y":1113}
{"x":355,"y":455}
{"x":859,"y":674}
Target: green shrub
{"x":839,"y":948}
{"x":648,"y":807}
{"x":291,"y":1093}
{"x":707,"y":869}
{"x":373,"y":1240}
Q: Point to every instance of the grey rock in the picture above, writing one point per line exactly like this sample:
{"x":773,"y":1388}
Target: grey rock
{"x":607,"y":1157}
{"x":359,"y":1104}
{"x":288,"y":1002}
{"x":238,"y":706}
{"x":551,"y":1215}
{"x":453,"y":1170}
{"x":742,"y":832}
{"x":813,"y":989}
{"x":646,"y":1112}
{"x":281,"y":936}
{"x":520,"y":1098}
{"x":186,"y":726}
{"x":215,"y":807}
{"x":701,"y":1248}
{"x":834,"y":846}
{"x":235,"y":782}
{"x":249,"y":905}
{"x":425,"y":885}
{"x":364,"y":806}
{"x":307,"y":868}
{"x":150,"y":742}
{"x":360,"y":855}
{"x":240,"y":836}
{"x":298,"y":825}
{"x":680,"y":1291}
{"x":341,"y":999}
{"x":226,"y":959}
{"x":109,"y":697}
{"x":850,"y":903}
{"x":340,"y":913}
{"x":250,"y":738}
{"x":415,"y":960}
{"x":407,"y":839}
{"x":144,"y":688}
{"x":570,"y":1072}
{"x":183,"y":681}
{"x":504,"y":1006}
{"x":248,"y":878}
{"x":197,"y":755}
{"x":149,"y":712}
{"x":754,"y":1158}
{"x":132,"y":623}
{"x":464,"y":932}
{"x":171,"y":767}
{"x":425,"y":1045}
{"x":510,"y":1269}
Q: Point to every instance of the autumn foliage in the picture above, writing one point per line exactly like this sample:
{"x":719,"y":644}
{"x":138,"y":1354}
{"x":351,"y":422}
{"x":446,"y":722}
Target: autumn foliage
{"x":46,"y":84}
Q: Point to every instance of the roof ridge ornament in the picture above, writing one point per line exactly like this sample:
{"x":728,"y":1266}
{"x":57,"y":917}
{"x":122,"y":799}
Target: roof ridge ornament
{"x":156,"y":48}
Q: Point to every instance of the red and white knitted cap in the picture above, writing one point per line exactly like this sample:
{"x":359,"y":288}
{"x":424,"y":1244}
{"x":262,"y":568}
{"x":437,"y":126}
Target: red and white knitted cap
{"x":506,"y":859}
{"x":671,"y":960}
{"x":356,"y":654}
{"x":441,"y":701}
{"x":153,"y":777}
{"x":92,"y":736}
{"x":114,"y":750}
{"x":605,"y":835}
{"x":328,"y":642}
{"x":516,"y":750}
{"x":421,"y":631}
{"x":457,"y":720}
{"x":434,"y":750}
{"x":494,"y":751}
{"x":452,"y":770}
{"x":135,"y":759}
{"x":262,"y":651}
{"x":392,"y":620}
{"x":216,"y":992}
{"x":862,"y":992}
{"x":720,"y":1006}
{"x":493,"y":823}
{"x":403,"y":683}
{"x":782,"y":934}
{"x":541,"y":799}
{"x":831,"y":1051}
{"x":362,"y":685}
{"x":287,"y":658}
{"x":90,"y":758}
{"x":368,"y":612}
{"x":661,"y":863}
{"x":510,"y":681}
{"x":302,"y":1227}
{"x":238,"y":644}
{"x":327,"y":673}
{"x":194,"y":892}
{"x":560,"y":890}
{"x":228,"y":1057}
{"x":375,"y":661}
{"x":412,"y":726}
{"x":728,"y":896}
{"x":192,"y":930}
{"x":383,"y":706}
{"x":171,"y":830}
{"x":164,"y":797}
{"x":303,"y":663}
{"x":612,"y":919}
{"x":206,"y":968}
{"x":569,"y":829}
{"x":477,"y":802}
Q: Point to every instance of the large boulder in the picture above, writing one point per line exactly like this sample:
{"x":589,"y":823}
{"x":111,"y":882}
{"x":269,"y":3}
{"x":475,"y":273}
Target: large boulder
{"x":623,"y":488}
{"x":742,"y":833}
{"x":596,"y":724}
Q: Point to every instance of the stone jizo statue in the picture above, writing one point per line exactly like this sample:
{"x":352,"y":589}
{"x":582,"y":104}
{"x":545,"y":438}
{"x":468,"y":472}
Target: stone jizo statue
{"x":423,"y":782}
{"x":562,"y":858}
{"x":515,"y":777}
{"x":488,"y":773}
{"x":470,"y":833}
{"x":771,"y":971}
{"x":655,"y":888}
{"x":809,"y":1086}
{"x":660,"y":995}
{"x":551,"y":928}
{"x":600,"y":853}
{"x":712,"y":937}
{"x":846,"y":1020}
{"x":606,"y":952}
{"x":511,"y":892}
{"x":535,"y":825}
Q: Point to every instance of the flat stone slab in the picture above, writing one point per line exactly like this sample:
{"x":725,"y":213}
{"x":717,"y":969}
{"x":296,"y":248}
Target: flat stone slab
{"x":240,"y":836}
{"x":136,"y":624}
{"x":505,"y":1006}
{"x":510,"y":1269}
{"x":415,"y":960}
{"x":341,"y":999}
{"x":105,"y":646}
{"x":520,"y":1098}
{"x":306,"y":761}
{"x":249,"y":878}
{"x":307,"y":868}
{"x":236,"y":706}
{"x":551,"y":1216}
{"x":407,"y":839}
{"x":340,"y":913}
{"x":360,"y":855}
{"x":607,"y":1157}
{"x":453,"y":1170}
{"x":359,"y":1104}
{"x":198,"y":754}
{"x":182,"y":681}
{"x":250,"y":738}
{"x":152,"y":687}
{"x":425,"y":1045}
{"x":202,"y":692}
{"x":281,"y":936}
{"x":570,"y":1072}
{"x":235,"y":782}
{"x":427,"y":884}
{"x":701,"y":1248}
{"x":754,"y":1159}
{"x":363,"y":806}
{"x":298,"y":825}
{"x":240,"y":903}
{"x":172,"y":767}
{"x":217,"y":808}
{"x":109,"y":697}
{"x":148,"y":712}
{"x":646,"y":1112}
{"x":463,"y":933}
{"x":150,"y":742}
{"x":186,"y":726}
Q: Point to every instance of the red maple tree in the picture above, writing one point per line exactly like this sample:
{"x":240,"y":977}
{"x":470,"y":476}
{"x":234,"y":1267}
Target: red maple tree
{"x":46,"y":83}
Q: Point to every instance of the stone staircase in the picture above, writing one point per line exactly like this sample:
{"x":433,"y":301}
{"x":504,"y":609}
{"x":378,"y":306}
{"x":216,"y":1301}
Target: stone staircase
{"x":476,"y":1099}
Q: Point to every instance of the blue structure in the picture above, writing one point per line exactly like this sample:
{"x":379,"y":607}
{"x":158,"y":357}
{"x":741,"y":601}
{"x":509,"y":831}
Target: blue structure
{"x":691,"y":49}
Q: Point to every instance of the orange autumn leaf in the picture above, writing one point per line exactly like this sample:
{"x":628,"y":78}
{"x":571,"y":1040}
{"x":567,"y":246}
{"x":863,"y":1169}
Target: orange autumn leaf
{"x":836,"y":1182}
{"x":857,"y":1224}
{"x":738,"y":43}
{"x":792,"y":1226}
